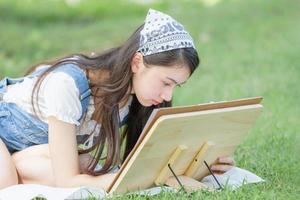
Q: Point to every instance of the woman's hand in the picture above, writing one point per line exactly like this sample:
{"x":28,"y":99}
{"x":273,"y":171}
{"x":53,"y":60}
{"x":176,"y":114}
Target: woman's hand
{"x":222,"y":164}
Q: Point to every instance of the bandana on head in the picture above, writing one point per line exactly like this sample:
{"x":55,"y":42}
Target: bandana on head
{"x":162,"y":33}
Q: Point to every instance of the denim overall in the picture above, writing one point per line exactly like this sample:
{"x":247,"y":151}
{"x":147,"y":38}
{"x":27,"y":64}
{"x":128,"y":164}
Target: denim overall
{"x":19,"y":129}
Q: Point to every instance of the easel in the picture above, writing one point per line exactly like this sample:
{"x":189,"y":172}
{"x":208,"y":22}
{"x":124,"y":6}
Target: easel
{"x":185,"y":181}
{"x":180,"y":140}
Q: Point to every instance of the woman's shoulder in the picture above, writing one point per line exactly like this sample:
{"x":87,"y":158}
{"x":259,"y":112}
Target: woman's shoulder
{"x":62,"y":97}
{"x":71,"y":69}
{"x":59,"y":84}
{"x":65,"y":76}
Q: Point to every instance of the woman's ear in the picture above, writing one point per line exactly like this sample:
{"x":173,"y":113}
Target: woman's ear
{"x":136,"y":62}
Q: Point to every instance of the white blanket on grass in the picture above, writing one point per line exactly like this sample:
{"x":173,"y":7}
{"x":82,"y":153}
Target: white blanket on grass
{"x":233,"y":178}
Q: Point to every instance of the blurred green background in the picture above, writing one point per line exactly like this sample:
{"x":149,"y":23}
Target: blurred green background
{"x":247,"y":48}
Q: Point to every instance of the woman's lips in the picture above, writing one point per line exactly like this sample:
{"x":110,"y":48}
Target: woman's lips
{"x":155,"y":102}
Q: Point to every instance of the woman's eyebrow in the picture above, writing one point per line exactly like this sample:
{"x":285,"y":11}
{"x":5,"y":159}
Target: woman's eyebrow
{"x":179,"y":84}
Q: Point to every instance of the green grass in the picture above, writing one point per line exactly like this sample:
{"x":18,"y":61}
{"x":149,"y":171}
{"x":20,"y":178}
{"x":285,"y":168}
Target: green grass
{"x":247,"y":48}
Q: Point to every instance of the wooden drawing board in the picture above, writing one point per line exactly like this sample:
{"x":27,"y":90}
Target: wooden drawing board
{"x":185,"y":137}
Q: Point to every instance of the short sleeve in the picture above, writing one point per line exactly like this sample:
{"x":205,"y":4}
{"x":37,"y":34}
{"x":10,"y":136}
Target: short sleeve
{"x":61,"y":97}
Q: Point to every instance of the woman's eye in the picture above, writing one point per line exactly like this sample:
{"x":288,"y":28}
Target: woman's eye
{"x":167,"y":84}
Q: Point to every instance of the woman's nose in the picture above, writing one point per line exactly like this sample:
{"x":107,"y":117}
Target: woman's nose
{"x":166,"y":95}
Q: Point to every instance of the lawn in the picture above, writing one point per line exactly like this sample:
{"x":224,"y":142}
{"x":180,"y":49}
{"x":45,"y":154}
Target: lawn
{"x":247,"y":48}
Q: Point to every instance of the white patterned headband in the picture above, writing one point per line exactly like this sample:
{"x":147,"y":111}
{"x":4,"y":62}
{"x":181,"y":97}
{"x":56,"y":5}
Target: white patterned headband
{"x":162,"y":33}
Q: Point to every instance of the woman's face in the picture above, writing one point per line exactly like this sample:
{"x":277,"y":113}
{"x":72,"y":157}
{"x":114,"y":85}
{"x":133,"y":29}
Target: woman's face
{"x":154,"y":84}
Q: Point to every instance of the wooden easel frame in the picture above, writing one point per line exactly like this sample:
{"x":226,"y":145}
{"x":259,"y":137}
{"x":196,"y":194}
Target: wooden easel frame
{"x":186,"y":179}
{"x":249,"y":109}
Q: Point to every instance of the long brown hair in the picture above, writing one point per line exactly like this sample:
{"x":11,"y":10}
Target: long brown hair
{"x":112,"y":90}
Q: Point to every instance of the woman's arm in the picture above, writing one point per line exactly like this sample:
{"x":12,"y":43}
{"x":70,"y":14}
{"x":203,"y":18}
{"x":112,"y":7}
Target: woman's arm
{"x":65,"y":160}
{"x":33,"y":165}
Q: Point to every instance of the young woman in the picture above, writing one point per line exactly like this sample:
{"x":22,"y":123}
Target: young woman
{"x":74,"y":121}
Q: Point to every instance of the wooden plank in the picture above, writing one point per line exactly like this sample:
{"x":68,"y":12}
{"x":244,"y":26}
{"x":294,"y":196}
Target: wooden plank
{"x":165,"y":172}
{"x":198,"y":160}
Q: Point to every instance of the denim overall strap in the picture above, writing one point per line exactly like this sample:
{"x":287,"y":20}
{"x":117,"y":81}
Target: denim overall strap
{"x":8,"y":81}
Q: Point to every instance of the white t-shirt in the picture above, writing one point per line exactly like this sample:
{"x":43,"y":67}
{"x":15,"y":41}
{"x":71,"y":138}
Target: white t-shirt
{"x":59,"y":97}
